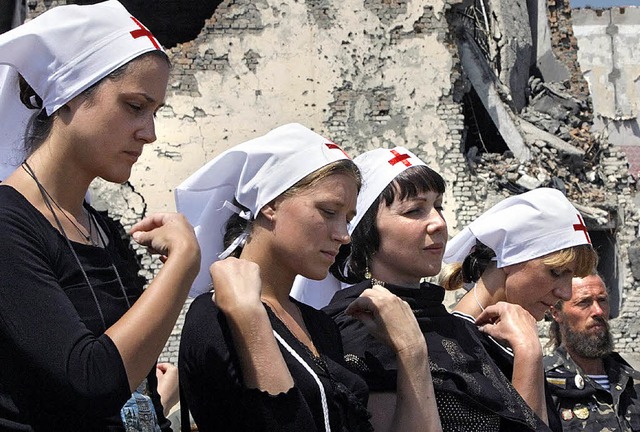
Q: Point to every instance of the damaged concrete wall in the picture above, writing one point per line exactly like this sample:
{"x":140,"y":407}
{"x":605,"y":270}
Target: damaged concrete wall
{"x":608,"y":55}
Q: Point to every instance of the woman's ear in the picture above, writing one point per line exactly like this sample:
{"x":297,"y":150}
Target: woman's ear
{"x":68,"y":110}
{"x":269,"y":210}
{"x":513,"y":268}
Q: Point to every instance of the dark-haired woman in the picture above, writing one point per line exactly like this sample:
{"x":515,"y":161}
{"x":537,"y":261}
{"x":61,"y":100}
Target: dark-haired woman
{"x":398,"y":239}
{"x":78,"y":337}
{"x":254,"y":359}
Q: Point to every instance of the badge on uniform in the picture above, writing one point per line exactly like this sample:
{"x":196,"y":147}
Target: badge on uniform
{"x":581,"y":411}
{"x":579,"y":381}
{"x":566,"y":414}
{"x":558,"y":382}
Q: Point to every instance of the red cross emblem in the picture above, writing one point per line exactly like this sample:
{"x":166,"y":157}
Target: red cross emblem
{"x":400,"y":158}
{"x":334,"y":146}
{"x":143,"y":32}
{"x":581,"y":227}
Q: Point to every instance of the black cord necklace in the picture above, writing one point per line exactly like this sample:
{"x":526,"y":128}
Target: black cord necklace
{"x":87,"y":234}
{"x":48,"y":199}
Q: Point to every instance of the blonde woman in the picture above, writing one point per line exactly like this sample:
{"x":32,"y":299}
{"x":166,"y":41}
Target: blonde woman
{"x":524,"y":251}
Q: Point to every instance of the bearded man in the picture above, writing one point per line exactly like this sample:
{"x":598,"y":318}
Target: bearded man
{"x":593,"y":387}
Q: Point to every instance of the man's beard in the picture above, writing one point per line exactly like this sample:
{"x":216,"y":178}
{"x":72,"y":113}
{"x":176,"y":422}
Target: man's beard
{"x":588,"y":344}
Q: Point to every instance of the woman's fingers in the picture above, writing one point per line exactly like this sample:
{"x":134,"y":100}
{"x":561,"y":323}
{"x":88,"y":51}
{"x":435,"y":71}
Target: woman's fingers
{"x":164,"y":232}
{"x":387,"y":317}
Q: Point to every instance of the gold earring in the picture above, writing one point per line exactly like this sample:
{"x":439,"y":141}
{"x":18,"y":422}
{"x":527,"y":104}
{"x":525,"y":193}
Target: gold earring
{"x":367,"y":273}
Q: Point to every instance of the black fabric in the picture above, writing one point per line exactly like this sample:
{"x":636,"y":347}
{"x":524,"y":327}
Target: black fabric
{"x":460,"y":365}
{"x":504,"y":359}
{"x":585,"y":405}
{"x":211,"y":379}
{"x":60,"y":372}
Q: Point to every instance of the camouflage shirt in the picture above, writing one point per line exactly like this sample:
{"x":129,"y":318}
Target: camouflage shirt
{"x":586,"y":406}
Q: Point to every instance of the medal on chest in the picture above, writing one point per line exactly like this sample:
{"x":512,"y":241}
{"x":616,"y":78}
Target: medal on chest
{"x":581,"y":411}
{"x":566,"y":414}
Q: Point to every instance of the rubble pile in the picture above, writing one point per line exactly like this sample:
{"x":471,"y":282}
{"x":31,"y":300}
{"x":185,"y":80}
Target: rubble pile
{"x":580,"y":168}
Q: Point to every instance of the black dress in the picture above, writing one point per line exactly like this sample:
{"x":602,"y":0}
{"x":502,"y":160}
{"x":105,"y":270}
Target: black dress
{"x":471,"y":392}
{"x":503,"y":357}
{"x":213,"y":390}
{"x":59,"y":371}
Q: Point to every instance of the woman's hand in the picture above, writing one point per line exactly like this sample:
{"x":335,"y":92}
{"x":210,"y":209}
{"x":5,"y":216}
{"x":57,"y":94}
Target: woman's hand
{"x":388,"y":318}
{"x":168,"y":387}
{"x":391,"y":320}
{"x":237,"y":284}
{"x":512,"y":324}
{"x":167,"y":233}
{"x":142,"y":332}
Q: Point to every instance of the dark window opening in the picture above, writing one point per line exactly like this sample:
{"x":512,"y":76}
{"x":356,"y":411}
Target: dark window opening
{"x":481,"y":132}
{"x":604,"y":243}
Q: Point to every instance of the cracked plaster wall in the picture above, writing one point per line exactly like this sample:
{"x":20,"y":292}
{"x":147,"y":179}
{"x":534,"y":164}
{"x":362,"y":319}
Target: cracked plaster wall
{"x":358,"y":72}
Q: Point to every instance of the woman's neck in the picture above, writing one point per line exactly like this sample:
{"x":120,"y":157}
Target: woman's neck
{"x":489,"y":290}
{"x":388,"y":277}
{"x":276,"y":279}
{"x":63,"y":185}
{"x":473,"y":303}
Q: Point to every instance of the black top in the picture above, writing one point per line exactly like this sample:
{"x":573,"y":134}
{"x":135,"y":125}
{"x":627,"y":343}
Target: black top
{"x":59,"y":371}
{"x":503,"y":357}
{"x":212,"y":386}
{"x":471,"y":391}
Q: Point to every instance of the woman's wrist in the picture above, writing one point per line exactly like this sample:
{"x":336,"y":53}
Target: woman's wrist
{"x":415,"y":348}
{"x":531,"y":350}
{"x":240,"y":309}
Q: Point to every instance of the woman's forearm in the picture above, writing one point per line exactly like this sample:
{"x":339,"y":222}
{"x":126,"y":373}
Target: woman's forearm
{"x":261,"y":361}
{"x":416,"y":408}
{"x":142,"y":332}
{"x":528,"y":380}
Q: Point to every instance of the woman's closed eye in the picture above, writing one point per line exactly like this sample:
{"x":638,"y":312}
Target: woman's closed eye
{"x":560,"y":272}
{"x":328,"y":212}
{"x":412,"y":211}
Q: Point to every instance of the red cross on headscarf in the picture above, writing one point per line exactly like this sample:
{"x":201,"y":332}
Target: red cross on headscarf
{"x":333,"y":146}
{"x":400,"y":158}
{"x":582,"y":227}
{"x":144,"y":32}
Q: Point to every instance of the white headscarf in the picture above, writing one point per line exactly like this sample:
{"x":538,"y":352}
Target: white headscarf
{"x":521,"y":228}
{"x":60,"y":54}
{"x":253,"y":173}
{"x":378,"y":169}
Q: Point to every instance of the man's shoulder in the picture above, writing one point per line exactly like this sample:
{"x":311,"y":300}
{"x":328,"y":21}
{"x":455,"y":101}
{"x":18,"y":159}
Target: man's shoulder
{"x":616,"y":360}
{"x":558,"y":360}
{"x":562,"y":376}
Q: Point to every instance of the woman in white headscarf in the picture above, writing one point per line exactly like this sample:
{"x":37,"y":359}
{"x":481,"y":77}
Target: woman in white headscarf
{"x":398,"y":238}
{"x":254,"y":358}
{"x":524,"y":251}
{"x":78,"y":336}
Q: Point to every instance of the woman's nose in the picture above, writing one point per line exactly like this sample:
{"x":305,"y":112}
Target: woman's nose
{"x":341,"y":234}
{"x":564,"y":291}
{"x":436,"y":222}
{"x":147,"y":133}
